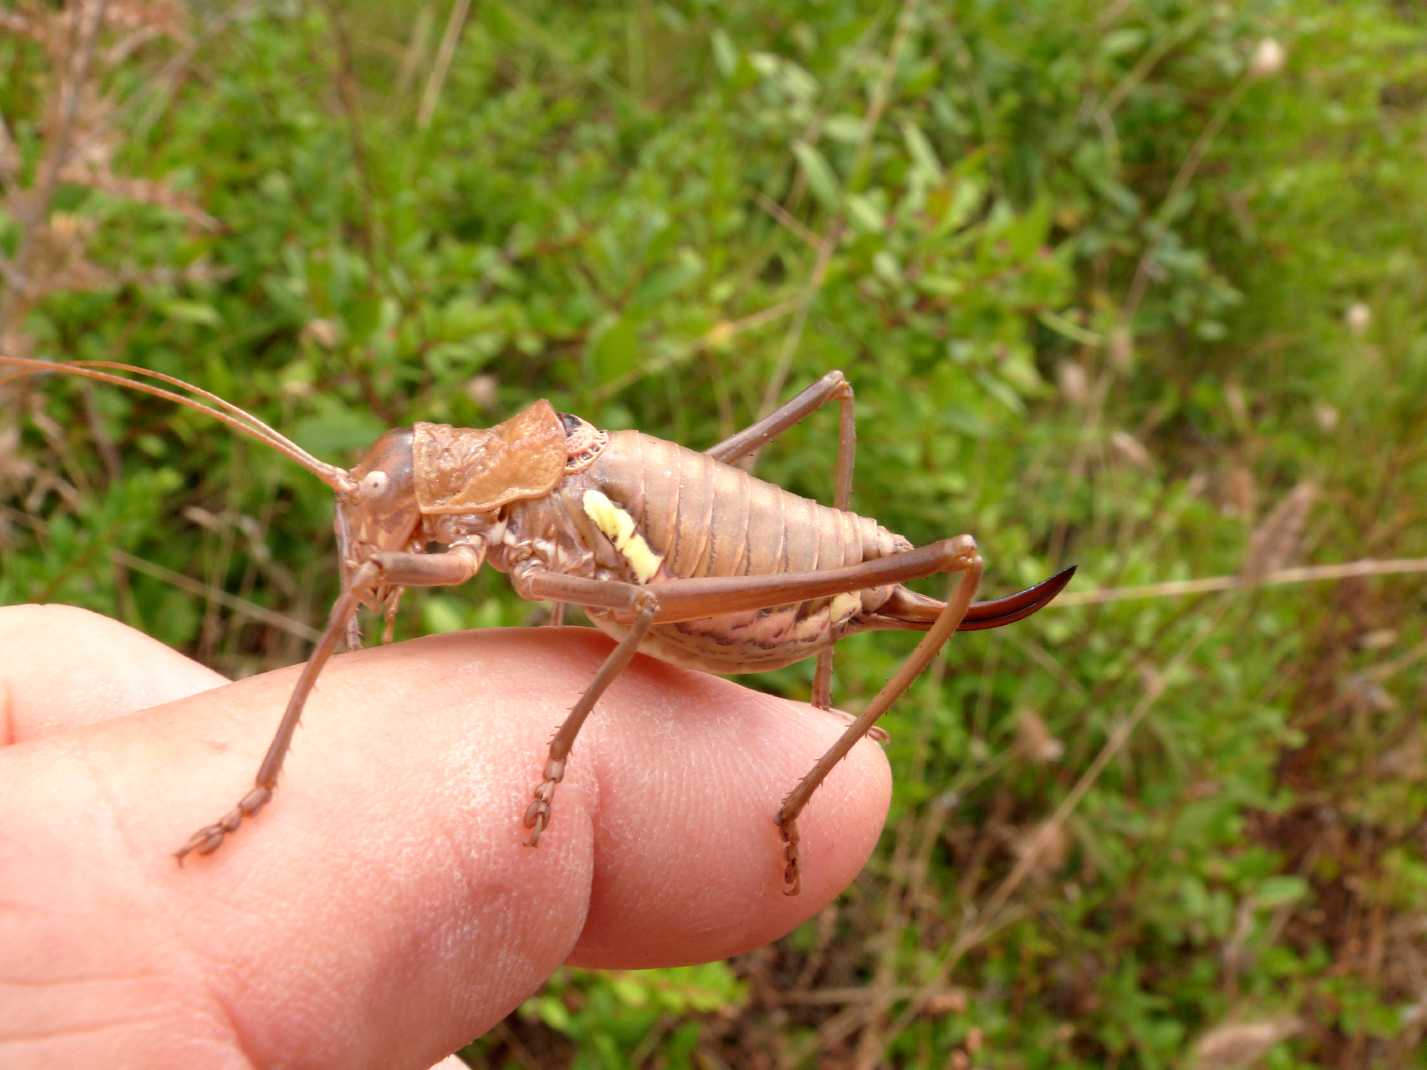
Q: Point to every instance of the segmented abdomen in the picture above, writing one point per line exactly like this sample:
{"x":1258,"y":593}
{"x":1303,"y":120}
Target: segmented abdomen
{"x":700,"y":517}
{"x":711,"y":519}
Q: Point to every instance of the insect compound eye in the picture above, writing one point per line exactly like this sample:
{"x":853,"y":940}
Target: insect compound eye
{"x":374,"y":484}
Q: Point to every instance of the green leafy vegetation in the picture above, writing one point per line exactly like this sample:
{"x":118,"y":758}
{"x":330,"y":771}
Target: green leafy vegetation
{"x":1140,"y":285}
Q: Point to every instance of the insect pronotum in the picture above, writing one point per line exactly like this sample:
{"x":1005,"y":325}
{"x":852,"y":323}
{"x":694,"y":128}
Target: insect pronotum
{"x":679,"y":554}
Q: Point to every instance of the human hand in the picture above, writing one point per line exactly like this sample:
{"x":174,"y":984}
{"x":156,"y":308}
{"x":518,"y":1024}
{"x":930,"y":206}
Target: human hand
{"x":383,"y":909}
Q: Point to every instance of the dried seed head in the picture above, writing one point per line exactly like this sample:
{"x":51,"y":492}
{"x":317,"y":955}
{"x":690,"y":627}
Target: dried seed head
{"x":1034,"y":740}
{"x":15,"y":469}
{"x":1235,"y":955}
{"x":1363,"y":694}
{"x":1268,"y":58}
{"x":1277,"y":540}
{"x":1358,"y":317}
{"x":1240,"y":1044}
{"x":952,"y":1001}
{"x":1241,"y":491}
{"x":1044,"y":847}
{"x":1407,"y":761}
{"x":484,"y":390}
{"x":1130,"y":450}
{"x":1074,"y":385}
{"x":1122,"y":348}
{"x":1238,"y":405}
{"x":322,"y":331}
{"x":1377,"y":639}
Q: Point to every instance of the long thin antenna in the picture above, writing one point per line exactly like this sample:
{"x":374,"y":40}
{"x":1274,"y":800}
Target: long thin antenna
{"x":224,"y":412}
{"x":276,"y":436}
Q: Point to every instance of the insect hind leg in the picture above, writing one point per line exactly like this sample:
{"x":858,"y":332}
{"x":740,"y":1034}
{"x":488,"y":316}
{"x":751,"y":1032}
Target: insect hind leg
{"x":958,"y":556}
{"x":752,"y":438}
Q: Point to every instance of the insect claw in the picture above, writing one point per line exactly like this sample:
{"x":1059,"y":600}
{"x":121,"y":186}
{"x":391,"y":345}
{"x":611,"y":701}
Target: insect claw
{"x":788,"y":830}
{"x":537,"y":816}
{"x":205,"y":841}
{"x":210,"y":837}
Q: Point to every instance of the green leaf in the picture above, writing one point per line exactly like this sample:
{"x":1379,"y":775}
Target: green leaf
{"x":921,"y":151}
{"x":1277,"y":891}
{"x":821,"y":179}
{"x":849,"y":129}
{"x":724,"y":52}
{"x":364,"y":316}
{"x":195,"y":312}
{"x":441,"y":614}
{"x":337,"y":430}
{"x":864,"y":212}
{"x":614,"y":348}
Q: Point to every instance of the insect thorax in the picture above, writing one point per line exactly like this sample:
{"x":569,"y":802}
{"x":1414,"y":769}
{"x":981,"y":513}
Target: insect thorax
{"x":535,"y":528}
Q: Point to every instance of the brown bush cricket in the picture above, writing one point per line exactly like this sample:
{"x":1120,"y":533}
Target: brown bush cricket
{"x":679,"y":554}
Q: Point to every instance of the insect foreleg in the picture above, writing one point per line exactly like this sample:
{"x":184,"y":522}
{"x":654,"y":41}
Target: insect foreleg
{"x":595,"y":594}
{"x":384,"y":567}
{"x":832,"y":385}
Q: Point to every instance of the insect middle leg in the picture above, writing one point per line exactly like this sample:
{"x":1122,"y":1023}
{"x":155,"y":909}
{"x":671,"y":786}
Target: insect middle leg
{"x":752,"y":438}
{"x":538,"y":584}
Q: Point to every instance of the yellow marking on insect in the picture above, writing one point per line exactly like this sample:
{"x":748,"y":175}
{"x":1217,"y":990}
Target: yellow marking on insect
{"x":618,"y":526}
{"x":845,"y":605}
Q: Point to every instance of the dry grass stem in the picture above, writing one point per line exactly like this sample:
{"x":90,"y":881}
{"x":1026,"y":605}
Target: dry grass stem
{"x":1302,"y":574}
{"x":241,"y":606}
{"x":431,"y":95}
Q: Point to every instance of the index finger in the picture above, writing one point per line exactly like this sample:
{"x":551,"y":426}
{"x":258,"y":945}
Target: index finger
{"x":391,"y":863}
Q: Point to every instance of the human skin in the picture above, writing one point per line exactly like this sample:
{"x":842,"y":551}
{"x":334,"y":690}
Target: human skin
{"x":383,"y":909}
